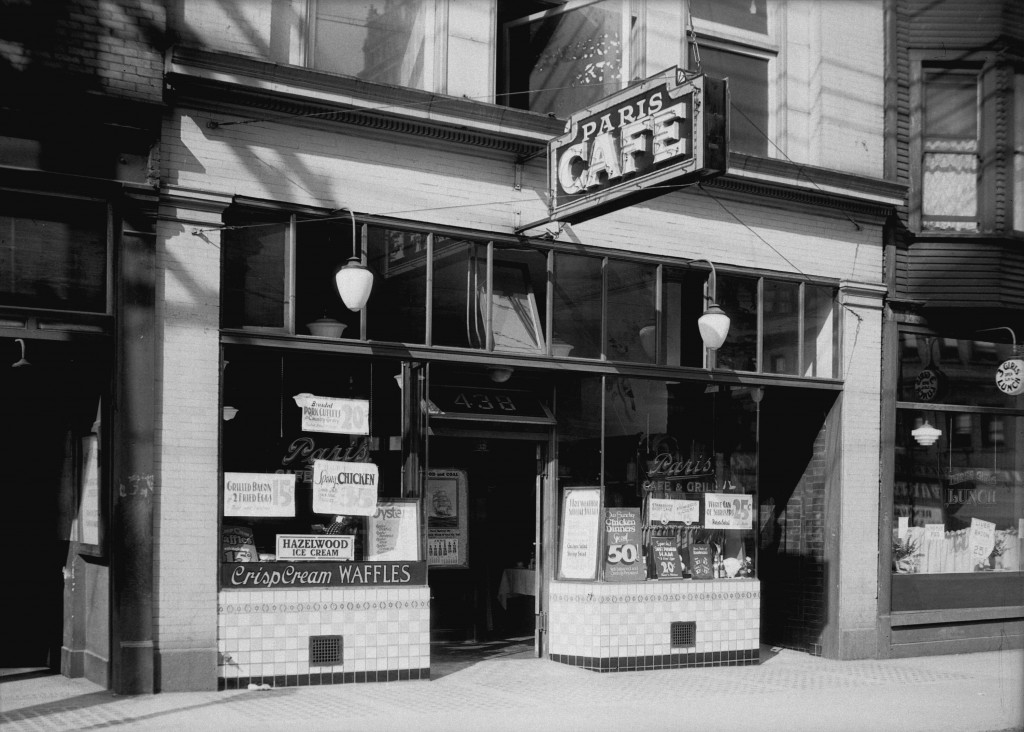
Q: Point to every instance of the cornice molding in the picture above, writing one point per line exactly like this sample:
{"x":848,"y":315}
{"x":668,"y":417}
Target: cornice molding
{"x":244,"y":87}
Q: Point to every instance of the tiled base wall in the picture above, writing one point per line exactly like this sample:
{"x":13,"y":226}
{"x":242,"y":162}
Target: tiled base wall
{"x":263,"y":635}
{"x":612,"y":627}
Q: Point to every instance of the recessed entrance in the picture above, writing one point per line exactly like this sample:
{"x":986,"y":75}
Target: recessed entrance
{"x":484,"y":606}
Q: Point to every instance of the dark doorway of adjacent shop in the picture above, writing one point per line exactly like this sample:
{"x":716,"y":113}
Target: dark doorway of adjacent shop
{"x":49,"y":398}
{"x":484,"y":606}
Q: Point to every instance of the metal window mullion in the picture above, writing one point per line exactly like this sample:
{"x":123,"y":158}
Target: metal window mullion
{"x":604,"y":309}
{"x":290,"y":273}
{"x":489,"y":302}
{"x":549,"y":298}
{"x":360,"y":251}
{"x":429,"y":309}
{"x":108,"y":266}
{"x":659,"y":272}
{"x":760,"y":326}
{"x":800,"y":331}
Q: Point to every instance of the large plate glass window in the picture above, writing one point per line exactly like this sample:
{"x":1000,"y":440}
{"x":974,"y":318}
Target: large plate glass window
{"x":958,"y":494}
{"x":274,"y":434}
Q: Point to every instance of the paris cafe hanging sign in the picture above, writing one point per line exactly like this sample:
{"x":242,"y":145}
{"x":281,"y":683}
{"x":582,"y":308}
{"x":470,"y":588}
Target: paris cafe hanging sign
{"x":670,"y":129}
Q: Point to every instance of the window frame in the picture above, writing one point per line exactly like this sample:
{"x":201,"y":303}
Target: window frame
{"x":996,"y":142}
{"x":435,"y":44}
{"x":633,"y":30}
{"x":729,"y":39}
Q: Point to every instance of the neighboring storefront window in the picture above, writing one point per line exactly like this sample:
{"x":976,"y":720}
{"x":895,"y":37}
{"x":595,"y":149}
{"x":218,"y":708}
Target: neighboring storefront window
{"x":959,"y":467}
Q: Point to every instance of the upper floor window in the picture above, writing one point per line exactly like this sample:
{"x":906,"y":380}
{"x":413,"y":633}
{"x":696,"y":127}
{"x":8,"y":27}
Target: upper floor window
{"x":386,"y":43}
{"x":561,"y":57}
{"x":731,"y":40}
{"x":968,"y":174}
{"x":949,"y":151}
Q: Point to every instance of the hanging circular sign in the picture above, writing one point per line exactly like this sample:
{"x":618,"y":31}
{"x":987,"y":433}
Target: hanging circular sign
{"x":927,"y":384}
{"x":1010,"y":376}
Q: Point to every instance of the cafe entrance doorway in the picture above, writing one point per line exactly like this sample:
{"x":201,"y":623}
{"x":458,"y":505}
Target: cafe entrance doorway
{"x":484,"y":603}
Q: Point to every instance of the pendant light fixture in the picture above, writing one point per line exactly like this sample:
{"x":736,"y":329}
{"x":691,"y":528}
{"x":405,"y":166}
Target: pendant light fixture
{"x":354,"y":280}
{"x":926,"y":435}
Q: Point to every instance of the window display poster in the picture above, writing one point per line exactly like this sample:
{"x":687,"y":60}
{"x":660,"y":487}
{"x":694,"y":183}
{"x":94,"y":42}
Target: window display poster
{"x":623,"y":561}
{"x":393,"y":531}
{"x":445,"y":505}
{"x":666,"y":560}
{"x":981,"y":539}
{"x":316,"y":547}
{"x":701,"y":566}
{"x":728,"y":511}
{"x":333,"y":414}
{"x":349,"y":489}
{"x":672,"y":511}
{"x":581,"y":534}
{"x":259,"y":494}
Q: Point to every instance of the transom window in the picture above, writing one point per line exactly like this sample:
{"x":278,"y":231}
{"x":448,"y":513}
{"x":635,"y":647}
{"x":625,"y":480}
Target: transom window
{"x":440,"y":289}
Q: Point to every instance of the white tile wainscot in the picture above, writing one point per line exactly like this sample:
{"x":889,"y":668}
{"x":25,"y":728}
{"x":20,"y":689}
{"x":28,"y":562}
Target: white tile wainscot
{"x":654,"y":624}
{"x":263,"y":635}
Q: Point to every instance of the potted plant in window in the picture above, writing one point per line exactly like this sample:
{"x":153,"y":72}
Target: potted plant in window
{"x":904,"y":560}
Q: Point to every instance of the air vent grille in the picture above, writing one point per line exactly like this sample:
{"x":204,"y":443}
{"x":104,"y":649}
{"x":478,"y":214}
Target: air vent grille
{"x":325,"y":650}
{"x":683,"y":634}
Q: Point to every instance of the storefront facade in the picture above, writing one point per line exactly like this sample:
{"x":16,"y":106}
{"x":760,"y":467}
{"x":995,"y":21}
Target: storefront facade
{"x":537,"y":366}
{"x":521,"y":434}
{"x":952,"y":491}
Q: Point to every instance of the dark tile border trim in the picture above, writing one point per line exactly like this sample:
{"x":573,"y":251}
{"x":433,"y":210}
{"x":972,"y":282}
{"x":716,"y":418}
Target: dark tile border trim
{"x":749,"y":657}
{"x":322,"y":678}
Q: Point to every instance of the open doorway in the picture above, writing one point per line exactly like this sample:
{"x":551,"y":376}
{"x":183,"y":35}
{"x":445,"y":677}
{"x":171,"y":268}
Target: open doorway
{"x":483,"y":603}
{"x":50,"y":391}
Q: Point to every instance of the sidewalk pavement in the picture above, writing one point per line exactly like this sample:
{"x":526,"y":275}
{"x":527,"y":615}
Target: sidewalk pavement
{"x":789,"y":690}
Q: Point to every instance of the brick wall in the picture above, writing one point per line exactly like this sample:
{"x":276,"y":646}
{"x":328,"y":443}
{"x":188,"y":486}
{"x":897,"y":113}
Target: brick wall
{"x":72,"y":48}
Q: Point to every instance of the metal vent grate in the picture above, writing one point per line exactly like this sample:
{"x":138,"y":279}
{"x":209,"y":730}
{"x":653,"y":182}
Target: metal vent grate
{"x":325,"y":650}
{"x":683,"y":634}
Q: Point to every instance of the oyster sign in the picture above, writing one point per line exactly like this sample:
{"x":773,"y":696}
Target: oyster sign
{"x":668,"y":129}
